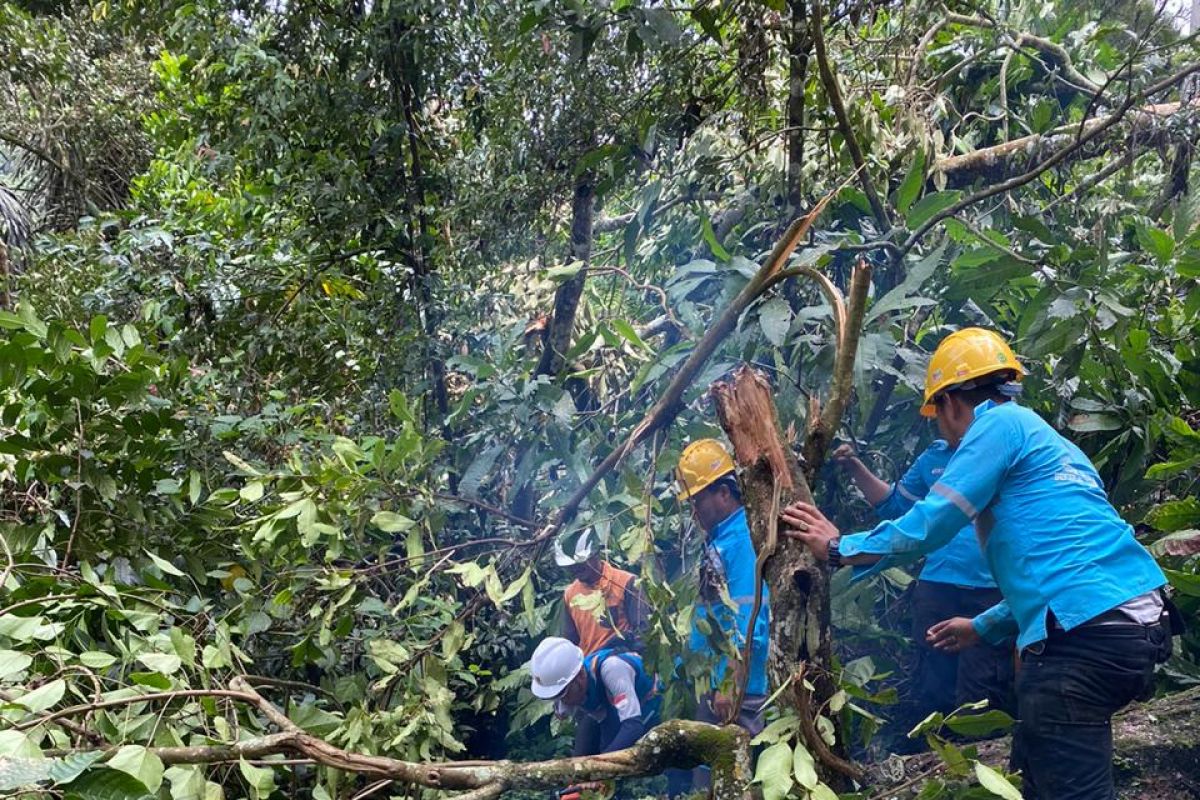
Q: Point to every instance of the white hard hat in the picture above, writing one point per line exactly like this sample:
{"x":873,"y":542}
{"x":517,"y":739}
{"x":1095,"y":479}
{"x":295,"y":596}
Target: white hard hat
{"x":555,"y":663}
{"x":578,"y":554}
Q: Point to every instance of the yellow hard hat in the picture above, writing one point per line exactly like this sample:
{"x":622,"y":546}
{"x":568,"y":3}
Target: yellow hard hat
{"x":702,"y":464}
{"x":964,"y":356}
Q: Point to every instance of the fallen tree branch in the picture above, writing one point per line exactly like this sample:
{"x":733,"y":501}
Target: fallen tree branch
{"x":680,"y":744}
{"x":1087,"y":133}
{"x":998,"y":155}
{"x":1056,"y":52}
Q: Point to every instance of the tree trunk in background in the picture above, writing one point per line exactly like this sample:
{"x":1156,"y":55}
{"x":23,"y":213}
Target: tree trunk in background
{"x":561,"y":327}
{"x":798,"y":586}
{"x":566,"y":299}
{"x":799,"y":44}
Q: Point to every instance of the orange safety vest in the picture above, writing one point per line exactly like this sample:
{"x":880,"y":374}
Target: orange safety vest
{"x":597,"y":627}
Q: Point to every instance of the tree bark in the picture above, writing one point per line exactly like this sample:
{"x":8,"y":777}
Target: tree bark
{"x":770,"y":477}
{"x":566,"y":299}
{"x":799,"y":44}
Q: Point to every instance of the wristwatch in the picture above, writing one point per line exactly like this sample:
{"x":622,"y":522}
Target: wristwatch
{"x":833,"y":554}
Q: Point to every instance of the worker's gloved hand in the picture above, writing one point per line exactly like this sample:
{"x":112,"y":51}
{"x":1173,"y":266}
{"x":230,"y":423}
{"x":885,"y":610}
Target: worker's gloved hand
{"x":952,"y":635}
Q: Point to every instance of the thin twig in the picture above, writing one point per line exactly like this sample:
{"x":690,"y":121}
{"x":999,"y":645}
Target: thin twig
{"x":66,"y":562}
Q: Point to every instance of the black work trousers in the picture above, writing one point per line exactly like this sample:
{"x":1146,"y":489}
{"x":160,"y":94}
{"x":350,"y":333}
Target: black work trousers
{"x":1069,"y":687}
{"x":591,"y":734}
{"x":945,"y":681}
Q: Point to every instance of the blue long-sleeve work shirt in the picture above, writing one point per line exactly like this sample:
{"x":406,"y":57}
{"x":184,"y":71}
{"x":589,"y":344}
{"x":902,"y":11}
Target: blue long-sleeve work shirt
{"x":732,"y":551}
{"x":1052,"y":539}
{"x":960,"y":561}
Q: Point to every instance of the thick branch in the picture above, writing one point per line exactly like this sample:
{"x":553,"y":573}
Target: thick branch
{"x":822,"y":430}
{"x":610,"y":224}
{"x":566,"y":298}
{"x":1087,"y":134}
{"x":986,"y":158}
{"x":829,"y":80}
{"x":1055,"y":52}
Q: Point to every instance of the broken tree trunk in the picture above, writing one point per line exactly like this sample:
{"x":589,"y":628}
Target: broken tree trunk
{"x":770,"y":477}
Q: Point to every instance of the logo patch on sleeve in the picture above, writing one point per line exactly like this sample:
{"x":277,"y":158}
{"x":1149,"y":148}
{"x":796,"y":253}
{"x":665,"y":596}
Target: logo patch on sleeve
{"x":620,"y":701}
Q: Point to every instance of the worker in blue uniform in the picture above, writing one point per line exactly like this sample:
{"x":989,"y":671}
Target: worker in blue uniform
{"x":707,"y":481}
{"x":1082,"y":597}
{"x":954,"y":582}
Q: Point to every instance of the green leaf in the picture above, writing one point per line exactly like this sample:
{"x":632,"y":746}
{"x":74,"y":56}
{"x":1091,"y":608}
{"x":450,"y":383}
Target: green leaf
{"x":775,"y":319}
{"x":16,"y":773}
{"x":166,"y":663}
{"x":97,"y":328}
{"x":930,"y":205}
{"x":1158,"y":243}
{"x":15,"y":744}
{"x":1188,"y":264}
{"x":995,"y":783}
{"x":252,"y":492}
{"x":804,"y":767}
{"x":68,"y":768}
{"x":43,"y":697}
{"x":1184,"y":582}
{"x":20,"y":629}
{"x":1091,"y":423}
{"x":187,"y":782}
{"x":710,"y":236}
{"x":708,"y":22}
{"x":1175,"y":515}
{"x":194,"y":487}
{"x":348,"y":450}
{"x":774,"y":771}
{"x":135,"y":760}
{"x":391,"y":522}
{"x":918,"y":273}
{"x":106,"y":784}
{"x":628,"y":333}
{"x":13,"y":662}
{"x":910,"y":187}
{"x":979,"y":724}
{"x":94,"y":659}
{"x":261,"y":781}
{"x":164,"y":565}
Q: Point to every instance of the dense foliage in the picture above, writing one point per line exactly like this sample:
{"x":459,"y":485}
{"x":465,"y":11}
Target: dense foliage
{"x":291,"y":377}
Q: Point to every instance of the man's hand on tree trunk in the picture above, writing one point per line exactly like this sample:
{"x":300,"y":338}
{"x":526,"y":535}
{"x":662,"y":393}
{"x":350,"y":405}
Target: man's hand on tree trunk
{"x":806,"y":524}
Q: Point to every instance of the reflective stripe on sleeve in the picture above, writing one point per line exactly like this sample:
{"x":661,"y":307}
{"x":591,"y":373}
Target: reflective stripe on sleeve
{"x":906,"y":494}
{"x":962,"y":503}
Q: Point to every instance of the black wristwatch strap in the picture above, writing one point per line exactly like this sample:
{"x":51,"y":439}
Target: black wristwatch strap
{"x":834,"y":555}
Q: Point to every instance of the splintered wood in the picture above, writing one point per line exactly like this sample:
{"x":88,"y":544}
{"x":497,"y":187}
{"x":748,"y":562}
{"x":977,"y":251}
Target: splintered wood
{"x":748,"y":416}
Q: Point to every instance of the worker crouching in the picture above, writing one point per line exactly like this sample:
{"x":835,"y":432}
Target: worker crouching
{"x":610,"y":686}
